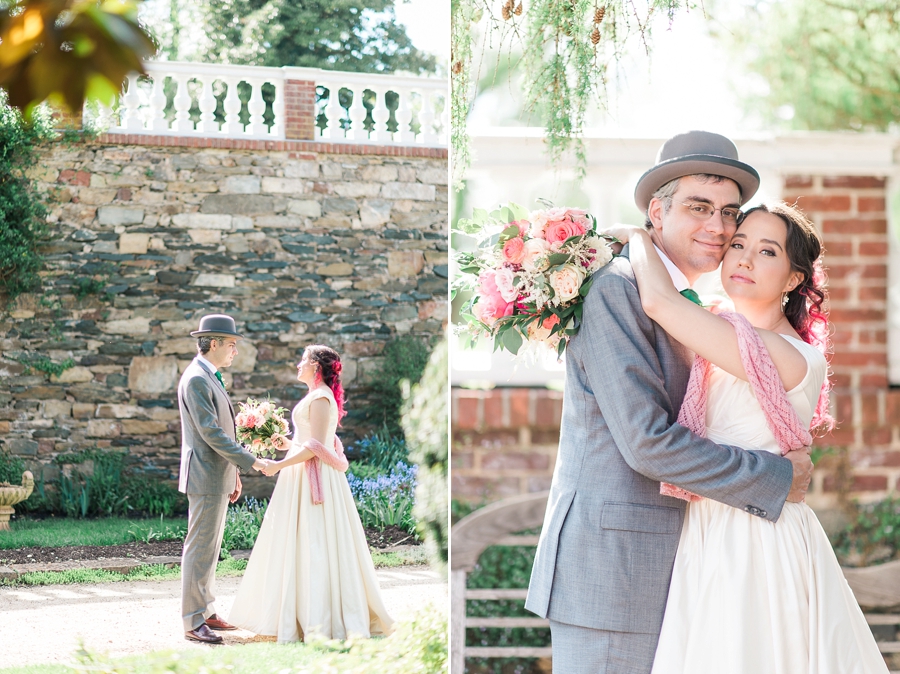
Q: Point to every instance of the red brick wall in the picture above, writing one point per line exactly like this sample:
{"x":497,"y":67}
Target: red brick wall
{"x":504,"y":441}
{"x":299,"y":109}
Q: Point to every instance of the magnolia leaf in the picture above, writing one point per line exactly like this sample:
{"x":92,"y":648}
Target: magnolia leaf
{"x":509,"y":233}
{"x":480,"y":216}
{"x":560,"y":348}
{"x":512,"y":340}
{"x":586,"y":286}
{"x":556,"y":259}
{"x":518,"y":212}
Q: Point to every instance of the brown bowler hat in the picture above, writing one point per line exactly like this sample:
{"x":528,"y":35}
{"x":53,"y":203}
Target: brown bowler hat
{"x":692,"y":153}
{"x":216,"y":324}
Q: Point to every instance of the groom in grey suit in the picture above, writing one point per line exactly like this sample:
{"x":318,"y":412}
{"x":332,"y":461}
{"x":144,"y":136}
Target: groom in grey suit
{"x":209,"y":455}
{"x":604,"y":561}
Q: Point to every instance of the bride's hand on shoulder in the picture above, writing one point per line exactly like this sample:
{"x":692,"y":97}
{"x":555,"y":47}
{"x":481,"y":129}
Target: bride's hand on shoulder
{"x":621,"y":232}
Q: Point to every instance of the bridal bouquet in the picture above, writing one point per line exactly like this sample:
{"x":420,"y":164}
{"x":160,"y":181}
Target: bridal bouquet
{"x":529,"y":274}
{"x":262,"y":427}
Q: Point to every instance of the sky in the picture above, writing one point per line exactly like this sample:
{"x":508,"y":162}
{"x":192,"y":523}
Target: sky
{"x":426,"y":33}
{"x":686,"y":82}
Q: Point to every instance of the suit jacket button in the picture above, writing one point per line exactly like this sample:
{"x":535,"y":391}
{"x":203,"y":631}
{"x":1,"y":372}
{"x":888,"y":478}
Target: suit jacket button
{"x":763,"y":513}
{"x":749,"y":509}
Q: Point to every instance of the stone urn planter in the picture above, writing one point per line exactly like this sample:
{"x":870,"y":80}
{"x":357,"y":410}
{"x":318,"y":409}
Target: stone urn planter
{"x":875,"y":587}
{"x":9,"y":496}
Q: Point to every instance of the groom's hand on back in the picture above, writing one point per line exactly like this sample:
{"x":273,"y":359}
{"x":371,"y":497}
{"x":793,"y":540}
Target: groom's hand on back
{"x":803,"y":469}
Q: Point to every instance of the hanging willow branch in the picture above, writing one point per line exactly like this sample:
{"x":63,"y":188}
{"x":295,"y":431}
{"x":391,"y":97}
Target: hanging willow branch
{"x":567,"y":46}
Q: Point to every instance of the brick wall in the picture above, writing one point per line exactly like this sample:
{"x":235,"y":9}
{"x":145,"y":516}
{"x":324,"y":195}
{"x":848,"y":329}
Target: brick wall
{"x":504,"y":439}
{"x":300,"y":246}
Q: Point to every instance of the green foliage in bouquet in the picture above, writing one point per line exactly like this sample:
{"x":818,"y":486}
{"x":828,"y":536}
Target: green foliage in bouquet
{"x":259,"y":437}
{"x":425,"y":420}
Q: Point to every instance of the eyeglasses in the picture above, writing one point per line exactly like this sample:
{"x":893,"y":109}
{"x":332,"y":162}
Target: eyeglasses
{"x":704,"y":211}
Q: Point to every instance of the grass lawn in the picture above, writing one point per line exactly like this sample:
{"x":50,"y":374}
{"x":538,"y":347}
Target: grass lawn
{"x":55,"y":532}
{"x":418,"y":646}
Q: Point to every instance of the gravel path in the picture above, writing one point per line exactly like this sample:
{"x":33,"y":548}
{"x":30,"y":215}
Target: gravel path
{"x":44,"y":624}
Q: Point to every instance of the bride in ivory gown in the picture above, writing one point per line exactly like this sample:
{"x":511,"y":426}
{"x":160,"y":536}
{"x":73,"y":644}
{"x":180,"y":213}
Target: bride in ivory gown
{"x":310,"y":571}
{"x":748,"y":595}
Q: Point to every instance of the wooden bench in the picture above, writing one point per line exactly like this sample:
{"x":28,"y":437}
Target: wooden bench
{"x":876,"y":588}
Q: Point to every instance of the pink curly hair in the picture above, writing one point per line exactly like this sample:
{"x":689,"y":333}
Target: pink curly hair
{"x":329,"y":371}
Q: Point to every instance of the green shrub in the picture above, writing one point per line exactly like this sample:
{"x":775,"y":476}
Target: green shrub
{"x":425,"y":423}
{"x":386,"y":499}
{"x":874,"y":537}
{"x":379,"y":450}
{"x":11,"y":468}
{"x":22,"y":211}
{"x":404,"y":357}
{"x":242,"y":524}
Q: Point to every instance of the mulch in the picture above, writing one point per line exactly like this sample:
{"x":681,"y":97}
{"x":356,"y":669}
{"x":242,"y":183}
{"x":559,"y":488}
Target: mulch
{"x":392,"y":535}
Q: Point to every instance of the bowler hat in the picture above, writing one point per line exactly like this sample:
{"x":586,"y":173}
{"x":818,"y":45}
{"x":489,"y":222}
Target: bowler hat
{"x":692,"y":153}
{"x":216,"y":324}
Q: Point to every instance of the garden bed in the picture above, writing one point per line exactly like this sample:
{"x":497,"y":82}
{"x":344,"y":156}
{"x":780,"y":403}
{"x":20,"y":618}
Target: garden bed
{"x":377,"y":539}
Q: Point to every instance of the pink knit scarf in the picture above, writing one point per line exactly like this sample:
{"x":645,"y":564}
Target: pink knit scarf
{"x":337,"y":461}
{"x":786,"y":426}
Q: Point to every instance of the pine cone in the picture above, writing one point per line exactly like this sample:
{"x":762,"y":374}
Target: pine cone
{"x":595,"y":36}
{"x":599,"y":13}
{"x":518,"y":11}
{"x":505,"y":13}
{"x":457,"y":67}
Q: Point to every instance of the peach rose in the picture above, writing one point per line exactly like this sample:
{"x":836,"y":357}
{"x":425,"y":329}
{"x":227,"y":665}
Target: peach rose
{"x":540,"y":331}
{"x":514,"y":250}
{"x":279,"y":441}
{"x":535,"y":249}
{"x":566,"y":282}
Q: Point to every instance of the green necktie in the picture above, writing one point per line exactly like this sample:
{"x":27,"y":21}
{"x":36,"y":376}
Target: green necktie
{"x":692,"y":296}
{"x":219,"y":377}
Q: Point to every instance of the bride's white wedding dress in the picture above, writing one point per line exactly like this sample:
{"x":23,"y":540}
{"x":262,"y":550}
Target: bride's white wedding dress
{"x":749,"y":596}
{"x":310,"y":570}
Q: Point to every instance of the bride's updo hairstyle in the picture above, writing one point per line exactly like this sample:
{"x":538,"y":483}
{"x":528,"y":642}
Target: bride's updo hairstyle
{"x":330,"y":367}
{"x":803,"y":307}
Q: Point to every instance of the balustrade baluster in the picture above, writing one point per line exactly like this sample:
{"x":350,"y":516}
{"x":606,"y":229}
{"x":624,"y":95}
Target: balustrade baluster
{"x":404,"y":115}
{"x":207,"y":104}
{"x":233,"y":126}
{"x":182,"y":104}
{"x":445,"y":123}
{"x":358,"y":115}
{"x":333,"y":113}
{"x":277,"y":129}
{"x":426,"y":118}
{"x":257,"y":106}
{"x":156,"y":116}
{"x":381,"y":115}
{"x":132,"y":100}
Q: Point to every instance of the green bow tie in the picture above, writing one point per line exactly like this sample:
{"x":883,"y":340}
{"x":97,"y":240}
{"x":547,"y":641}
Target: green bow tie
{"x":219,"y":377}
{"x":692,"y":296}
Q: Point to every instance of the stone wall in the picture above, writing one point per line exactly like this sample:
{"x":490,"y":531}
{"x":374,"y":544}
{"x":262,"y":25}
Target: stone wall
{"x":504,"y":440}
{"x":345,"y":246}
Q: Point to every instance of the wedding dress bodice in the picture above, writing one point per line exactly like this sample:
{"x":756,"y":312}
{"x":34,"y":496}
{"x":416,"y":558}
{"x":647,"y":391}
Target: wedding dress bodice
{"x":734,"y":417}
{"x":300,"y":417}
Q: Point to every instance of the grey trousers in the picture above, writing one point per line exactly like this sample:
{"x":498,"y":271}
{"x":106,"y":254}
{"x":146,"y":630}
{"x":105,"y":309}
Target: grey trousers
{"x":582,"y":650}
{"x":206,"y":524}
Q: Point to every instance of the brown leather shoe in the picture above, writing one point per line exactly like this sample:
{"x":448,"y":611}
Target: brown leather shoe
{"x":215,"y":623}
{"x":204,"y":635}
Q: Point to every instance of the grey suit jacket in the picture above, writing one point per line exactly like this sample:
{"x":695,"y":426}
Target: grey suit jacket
{"x":605,"y":555}
{"x":209,"y":452}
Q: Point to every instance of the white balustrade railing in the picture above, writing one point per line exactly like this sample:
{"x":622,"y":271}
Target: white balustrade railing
{"x":247,"y":102}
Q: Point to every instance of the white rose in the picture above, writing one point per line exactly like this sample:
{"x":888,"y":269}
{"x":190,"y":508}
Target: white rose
{"x":504,"y":280}
{"x":566,"y":282}
{"x":602,"y":256}
{"x":534,"y":250}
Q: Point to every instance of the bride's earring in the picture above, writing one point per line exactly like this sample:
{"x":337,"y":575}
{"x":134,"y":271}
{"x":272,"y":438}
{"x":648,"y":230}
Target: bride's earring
{"x":784,"y":301}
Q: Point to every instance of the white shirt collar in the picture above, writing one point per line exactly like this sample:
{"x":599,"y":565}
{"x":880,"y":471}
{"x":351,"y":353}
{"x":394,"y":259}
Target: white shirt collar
{"x":214,"y":368}
{"x":678,"y":277}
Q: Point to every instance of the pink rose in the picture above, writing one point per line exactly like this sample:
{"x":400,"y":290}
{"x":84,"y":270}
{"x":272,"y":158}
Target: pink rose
{"x":523,"y":226}
{"x":486,"y":283}
{"x":514,"y":250}
{"x":489,"y":308}
{"x":505,"y":286}
{"x":560,"y":230}
{"x":241,"y":420}
{"x":252,"y":420}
